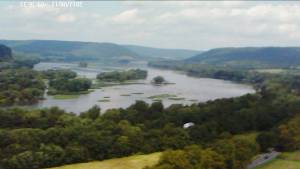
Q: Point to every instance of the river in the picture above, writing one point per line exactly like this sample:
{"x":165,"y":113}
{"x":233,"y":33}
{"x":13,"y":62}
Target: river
{"x":189,"y":89}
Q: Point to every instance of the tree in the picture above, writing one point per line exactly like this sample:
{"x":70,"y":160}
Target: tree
{"x":192,"y":157}
{"x":158,"y":80}
{"x":245,"y":150}
{"x":212,"y":160}
{"x":177,"y":159}
{"x":52,"y":155}
{"x":24,"y":160}
{"x":289,"y":134}
{"x":266,"y":140}
{"x":140,"y":106}
{"x":227,"y":148}
{"x":93,"y":113}
{"x":75,"y":154}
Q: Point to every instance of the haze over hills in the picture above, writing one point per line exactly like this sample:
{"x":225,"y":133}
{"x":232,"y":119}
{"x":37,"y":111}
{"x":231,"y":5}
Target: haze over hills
{"x":74,"y":51}
{"x":245,"y":57}
{"x":71,"y":51}
{"x":249,"y":56}
{"x":5,"y":53}
{"x":177,"y":54}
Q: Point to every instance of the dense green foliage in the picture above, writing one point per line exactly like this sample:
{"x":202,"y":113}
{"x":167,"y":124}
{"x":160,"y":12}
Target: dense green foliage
{"x":229,"y":153}
{"x":20,"y":86}
{"x":32,"y":139}
{"x":250,"y":57}
{"x":65,"y":82}
{"x":121,"y":76}
{"x":285,"y":137}
{"x":51,"y":137}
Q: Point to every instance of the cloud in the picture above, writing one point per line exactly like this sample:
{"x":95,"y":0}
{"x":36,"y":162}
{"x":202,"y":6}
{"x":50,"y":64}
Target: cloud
{"x":128,"y":16}
{"x":170,"y":24}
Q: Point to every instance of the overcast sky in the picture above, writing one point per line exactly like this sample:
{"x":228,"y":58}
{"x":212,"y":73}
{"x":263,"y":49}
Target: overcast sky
{"x":180,"y":24}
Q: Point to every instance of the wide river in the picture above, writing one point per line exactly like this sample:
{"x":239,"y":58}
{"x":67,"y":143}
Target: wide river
{"x":190,"y":89}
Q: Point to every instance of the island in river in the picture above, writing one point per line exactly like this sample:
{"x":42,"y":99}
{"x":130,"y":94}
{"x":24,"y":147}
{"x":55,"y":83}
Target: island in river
{"x":183,"y":90}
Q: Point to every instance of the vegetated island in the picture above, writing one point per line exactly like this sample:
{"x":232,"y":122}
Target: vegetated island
{"x":159,"y":80}
{"x":66,"y":82}
{"x":120,"y":77}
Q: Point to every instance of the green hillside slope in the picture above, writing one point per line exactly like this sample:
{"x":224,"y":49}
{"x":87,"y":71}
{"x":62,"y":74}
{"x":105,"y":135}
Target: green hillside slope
{"x":250,"y":56}
{"x":72,"y":51}
{"x":91,"y":51}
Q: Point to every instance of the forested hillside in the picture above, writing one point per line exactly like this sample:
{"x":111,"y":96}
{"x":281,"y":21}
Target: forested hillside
{"x":91,"y":51}
{"x":72,"y":51}
{"x":249,"y":57}
{"x":5,"y":53}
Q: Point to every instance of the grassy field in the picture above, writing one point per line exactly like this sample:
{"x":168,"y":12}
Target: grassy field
{"x":284,"y":161}
{"x":132,"y":162}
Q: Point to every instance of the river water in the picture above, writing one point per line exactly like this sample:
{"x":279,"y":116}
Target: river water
{"x":191,"y":89}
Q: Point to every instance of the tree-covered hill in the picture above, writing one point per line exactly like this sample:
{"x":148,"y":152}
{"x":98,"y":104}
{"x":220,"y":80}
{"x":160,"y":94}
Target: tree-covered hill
{"x":5,"y":53}
{"x":250,"y":57}
{"x":90,"y":51}
{"x":71,"y":51}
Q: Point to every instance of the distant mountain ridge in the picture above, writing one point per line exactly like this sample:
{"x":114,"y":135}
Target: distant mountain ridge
{"x":75,"y":51}
{"x":71,"y":51}
{"x":173,"y":54}
{"x":249,"y":56}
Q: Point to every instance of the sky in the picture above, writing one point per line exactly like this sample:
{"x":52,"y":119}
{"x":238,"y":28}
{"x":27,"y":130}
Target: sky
{"x":199,"y":25}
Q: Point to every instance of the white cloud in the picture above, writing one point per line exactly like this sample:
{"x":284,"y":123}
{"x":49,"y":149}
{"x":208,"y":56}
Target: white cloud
{"x":185,"y":24}
{"x":128,"y":16}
